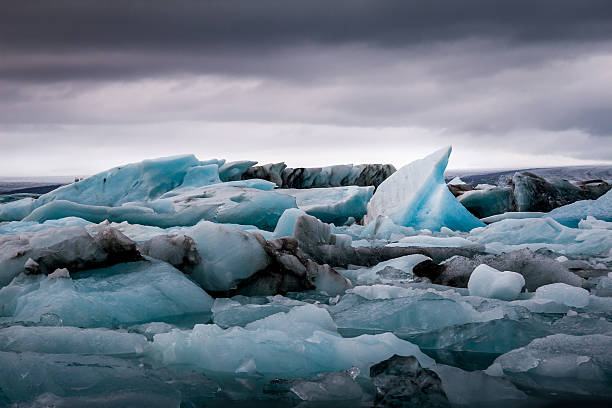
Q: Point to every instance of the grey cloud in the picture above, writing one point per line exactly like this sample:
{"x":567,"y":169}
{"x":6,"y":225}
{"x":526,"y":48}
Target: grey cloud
{"x":33,"y":32}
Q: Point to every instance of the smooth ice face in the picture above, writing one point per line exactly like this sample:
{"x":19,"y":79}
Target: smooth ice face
{"x":535,"y":233}
{"x":332,"y":204}
{"x":229,"y":254}
{"x":563,"y":293}
{"x":286,"y":222}
{"x":141,"y":181}
{"x":109,"y":297}
{"x":296,"y":344}
{"x":199,"y":176}
{"x":571,"y":214}
{"x":579,"y":364}
{"x":71,"y":340}
{"x":16,"y":210}
{"x":417,"y":196}
{"x":491,"y":283}
{"x":487,"y":202}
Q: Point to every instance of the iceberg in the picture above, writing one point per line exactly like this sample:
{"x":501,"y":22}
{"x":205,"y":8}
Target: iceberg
{"x":143,"y":181}
{"x":124,"y":294}
{"x":334,"y":204}
{"x":571,"y":214}
{"x":247,"y":202}
{"x":417,"y":196}
{"x":299,"y":343}
{"x":489,"y":282}
{"x":534,"y":193}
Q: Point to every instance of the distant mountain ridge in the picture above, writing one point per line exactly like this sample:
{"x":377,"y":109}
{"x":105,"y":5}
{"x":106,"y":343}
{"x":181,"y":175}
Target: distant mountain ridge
{"x":501,"y":177}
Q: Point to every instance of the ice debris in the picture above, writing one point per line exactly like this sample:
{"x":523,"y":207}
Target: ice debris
{"x":489,"y":282}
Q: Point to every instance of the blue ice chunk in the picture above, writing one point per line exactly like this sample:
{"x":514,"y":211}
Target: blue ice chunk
{"x":109,"y":297}
{"x":16,"y":210}
{"x":571,"y":214}
{"x":299,"y":343}
{"x":199,"y":176}
{"x":141,"y":181}
{"x":417,"y":196}
{"x":248,"y":202}
{"x":333,"y":204}
{"x":286,"y":222}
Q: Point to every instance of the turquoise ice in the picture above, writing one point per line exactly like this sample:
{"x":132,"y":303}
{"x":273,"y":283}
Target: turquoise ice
{"x":417,"y":196}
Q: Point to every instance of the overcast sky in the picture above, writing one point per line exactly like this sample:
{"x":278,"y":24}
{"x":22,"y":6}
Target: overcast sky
{"x":87,"y":85}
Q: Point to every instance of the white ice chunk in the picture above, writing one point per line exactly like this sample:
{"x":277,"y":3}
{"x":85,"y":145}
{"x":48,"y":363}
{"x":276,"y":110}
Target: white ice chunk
{"x":491,"y":283}
{"x":563,"y":293}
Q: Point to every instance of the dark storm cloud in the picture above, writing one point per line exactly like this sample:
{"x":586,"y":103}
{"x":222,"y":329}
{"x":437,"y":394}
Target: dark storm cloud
{"x":61,"y":24}
{"x":179,"y":29}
